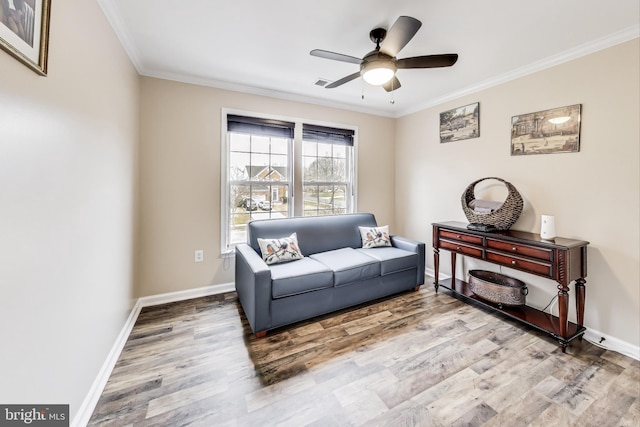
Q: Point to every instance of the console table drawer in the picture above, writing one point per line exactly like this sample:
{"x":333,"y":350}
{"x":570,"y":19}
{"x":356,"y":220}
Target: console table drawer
{"x":462,"y":249}
{"x":530,"y":251}
{"x":539,"y":268}
{"x":461,"y":237}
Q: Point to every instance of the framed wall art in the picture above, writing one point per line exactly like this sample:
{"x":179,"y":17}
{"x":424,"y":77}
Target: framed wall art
{"x":24,"y":31}
{"x":550,"y":131}
{"x":460,"y":123}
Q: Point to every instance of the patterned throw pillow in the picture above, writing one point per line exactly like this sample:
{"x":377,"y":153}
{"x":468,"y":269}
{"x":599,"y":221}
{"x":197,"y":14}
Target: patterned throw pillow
{"x":279,"y":250}
{"x":373,"y":237}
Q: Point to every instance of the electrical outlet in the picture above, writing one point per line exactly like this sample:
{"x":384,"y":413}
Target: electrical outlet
{"x":199,"y":255}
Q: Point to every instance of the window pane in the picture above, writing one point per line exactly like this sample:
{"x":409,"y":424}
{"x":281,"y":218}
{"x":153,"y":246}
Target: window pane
{"x":325,"y":168}
{"x":310,"y":194}
{"x":324,"y":150}
{"x":279,"y":160}
{"x":340,"y":197}
{"x":239,"y":142}
{"x":340,"y":151}
{"x":325,"y":197}
{"x":272,"y":201}
{"x":238,"y":166}
{"x":310,"y":169}
{"x":309,"y":148}
{"x":259,"y":144}
{"x":280,"y":200}
{"x":279,"y":146}
{"x":339,"y":170}
{"x":258,"y":163}
{"x":240,"y":212}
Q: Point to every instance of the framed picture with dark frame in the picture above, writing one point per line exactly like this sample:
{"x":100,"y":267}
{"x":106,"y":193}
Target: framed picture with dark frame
{"x":24,"y":31}
{"x":544,"y":132}
{"x":460,"y":123}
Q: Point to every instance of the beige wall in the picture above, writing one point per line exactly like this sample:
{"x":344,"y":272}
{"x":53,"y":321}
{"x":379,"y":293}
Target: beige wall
{"x":180,"y":177}
{"x":594,"y":194}
{"x":68,"y":154}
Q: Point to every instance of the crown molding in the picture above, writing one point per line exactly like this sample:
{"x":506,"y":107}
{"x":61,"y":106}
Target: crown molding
{"x":585,"y":49}
{"x":254,"y":90}
{"x":116,"y":22}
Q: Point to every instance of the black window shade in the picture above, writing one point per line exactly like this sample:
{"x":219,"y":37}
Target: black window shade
{"x":258,"y":126}
{"x":327,"y":135}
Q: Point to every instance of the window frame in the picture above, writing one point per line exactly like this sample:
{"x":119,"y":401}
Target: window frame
{"x":295,"y":169}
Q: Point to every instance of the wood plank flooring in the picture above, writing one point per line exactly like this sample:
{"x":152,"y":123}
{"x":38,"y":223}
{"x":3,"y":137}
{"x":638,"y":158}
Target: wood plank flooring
{"x":416,"y":359}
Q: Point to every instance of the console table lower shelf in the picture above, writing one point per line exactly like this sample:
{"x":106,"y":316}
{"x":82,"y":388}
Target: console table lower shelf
{"x":533,"y":317}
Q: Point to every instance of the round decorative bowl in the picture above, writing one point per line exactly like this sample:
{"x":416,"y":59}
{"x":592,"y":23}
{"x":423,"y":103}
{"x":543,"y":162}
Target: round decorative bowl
{"x":498,"y":288}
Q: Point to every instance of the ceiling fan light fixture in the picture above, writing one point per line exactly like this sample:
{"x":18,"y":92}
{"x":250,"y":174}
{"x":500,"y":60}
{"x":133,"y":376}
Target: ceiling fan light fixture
{"x":377,"y":73}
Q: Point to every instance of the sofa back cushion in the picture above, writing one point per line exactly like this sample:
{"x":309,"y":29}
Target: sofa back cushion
{"x":315,"y":233}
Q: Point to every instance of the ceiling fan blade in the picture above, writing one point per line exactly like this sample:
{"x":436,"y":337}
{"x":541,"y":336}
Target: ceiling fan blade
{"x":335,"y":56}
{"x":400,"y":33}
{"x":392,"y":84}
{"x":343,"y":80}
{"x":428,"y":61}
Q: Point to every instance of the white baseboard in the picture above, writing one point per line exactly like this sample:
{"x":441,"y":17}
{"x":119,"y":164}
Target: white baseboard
{"x":89,"y":404}
{"x":612,"y":343}
{"x":591,"y":335}
{"x":187,"y":294}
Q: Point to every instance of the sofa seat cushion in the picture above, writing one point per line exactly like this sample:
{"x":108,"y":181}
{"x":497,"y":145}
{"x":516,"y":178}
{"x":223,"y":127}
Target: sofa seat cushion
{"x":294,"y":278}
{"x":392,"y":259}
{"x":348,"y":265}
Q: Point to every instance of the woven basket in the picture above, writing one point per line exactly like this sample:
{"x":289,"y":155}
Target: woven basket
{"x":498,"y":288}
{"x":503,"y":217}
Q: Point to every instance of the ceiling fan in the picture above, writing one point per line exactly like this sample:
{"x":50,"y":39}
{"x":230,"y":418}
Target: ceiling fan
{"x":379,"y":66}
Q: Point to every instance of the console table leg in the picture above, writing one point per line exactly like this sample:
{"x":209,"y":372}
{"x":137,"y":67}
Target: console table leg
{"x":563,"y":310}
{"x":580,"y":299}
{"x":436,"y":267}
{"x":453,"y":269}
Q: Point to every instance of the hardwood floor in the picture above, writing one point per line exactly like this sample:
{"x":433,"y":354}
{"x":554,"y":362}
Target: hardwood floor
{"x":417,"y":359}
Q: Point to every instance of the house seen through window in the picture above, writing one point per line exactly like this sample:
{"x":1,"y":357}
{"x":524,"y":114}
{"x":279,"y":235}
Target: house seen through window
{"x":265,"y":180}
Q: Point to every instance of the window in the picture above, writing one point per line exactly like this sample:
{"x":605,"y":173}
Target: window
{"x":327,"y":158}
{"x":260,"y":170}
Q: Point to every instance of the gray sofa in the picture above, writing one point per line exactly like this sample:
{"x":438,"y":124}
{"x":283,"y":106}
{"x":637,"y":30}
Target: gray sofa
{"x":336,"y":272}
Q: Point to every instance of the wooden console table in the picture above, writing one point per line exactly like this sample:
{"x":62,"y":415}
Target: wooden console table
{"x":562,"y":260}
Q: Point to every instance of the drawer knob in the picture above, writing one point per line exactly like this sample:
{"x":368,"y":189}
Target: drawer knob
{"x":458,"y":237}
{"x":457,"y":248}
{"x":514,"y":248}
{"x":513,"y":262}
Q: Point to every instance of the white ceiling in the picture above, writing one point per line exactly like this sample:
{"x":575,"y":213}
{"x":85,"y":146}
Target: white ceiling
{"x":262,"y":47}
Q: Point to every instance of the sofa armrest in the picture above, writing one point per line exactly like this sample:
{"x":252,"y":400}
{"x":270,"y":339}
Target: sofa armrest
{"x":415,"y":247}
{"x":253,"y":285}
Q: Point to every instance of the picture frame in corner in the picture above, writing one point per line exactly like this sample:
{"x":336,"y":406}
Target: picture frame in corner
{"x":24,"y":31}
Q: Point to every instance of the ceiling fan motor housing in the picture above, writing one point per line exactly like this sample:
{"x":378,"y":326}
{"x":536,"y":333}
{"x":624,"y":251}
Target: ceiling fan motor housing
{"x":375,"y":59}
